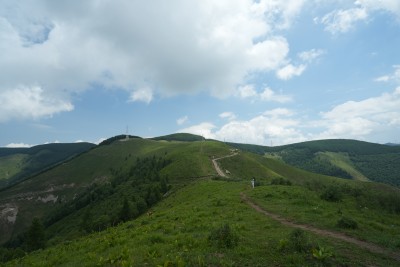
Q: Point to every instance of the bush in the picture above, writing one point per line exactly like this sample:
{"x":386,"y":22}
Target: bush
{"x":321,"y":254}
{"x":331,"y":193}
{"x":280,"y":181}
{"x":298,"y":240}
{"x":223,"y":237}
{"x":347,"y":223}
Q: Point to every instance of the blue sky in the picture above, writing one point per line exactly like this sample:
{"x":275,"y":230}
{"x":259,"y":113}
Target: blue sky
{"x":262,"y":72}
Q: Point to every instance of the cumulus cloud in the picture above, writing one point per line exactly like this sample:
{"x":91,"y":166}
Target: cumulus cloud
{"x":352,"y":119}
{"x":18,"y":145}
{"x":269,"y":95}
{"x":66,"y":48}
{"x":395,"y":76}
{"x":182,"y":120}
{"x":289,"y":71}
{"x":204,"y":129}
{"x":357,"y":119}
{"x":392,"y":6}
{"x":227,"y":115}
{"x":31,"y":103}
{"x":248,"y":91}
{"x":277,"y":125}
{"x":311,"y":55}
{"x":142,"y":94}
{"x":343,"y":20}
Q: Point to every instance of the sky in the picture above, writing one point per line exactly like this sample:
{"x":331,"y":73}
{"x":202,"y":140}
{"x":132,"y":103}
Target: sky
{"x":267,"y":72}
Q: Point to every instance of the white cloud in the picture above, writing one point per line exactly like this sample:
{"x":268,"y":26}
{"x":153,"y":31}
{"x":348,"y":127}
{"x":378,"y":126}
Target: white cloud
{"x":281,"y":13}
{"x":350,"y":120}
{"x":30,"y":103}
{"x":227,"y":115}
{"x":289,"y":71}
{"x":142,"y":94}
{"x":204,"y":129}
{"x":247,"y":91}
{"x":311,"y":55}
{"x":269,"y":95}
{"x":193,"y":46}
{"x":358,"y":119}
{"x":395,"y":76}
{"x":384,"y":78}
{"x":182,"y":120}
{"x":18,"y":145}
{"x":343,"y":20}
{"x":275,"y":125}
{"x":392,"y":6}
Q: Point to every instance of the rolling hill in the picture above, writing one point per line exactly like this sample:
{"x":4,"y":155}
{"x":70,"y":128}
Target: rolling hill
{"x":17,"y":164}
{"x":348,"y":159}
{"x":150,"y":202}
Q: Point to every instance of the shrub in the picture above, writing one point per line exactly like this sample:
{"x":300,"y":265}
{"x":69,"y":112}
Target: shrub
{"x":321,"y":254}
{"x":283,"y":244}
{"x":298,"y":240}
{"x":331,"y":193}
{"x":348,"y":223}
{"x":280,"y":181}
{"x":223,"y":237}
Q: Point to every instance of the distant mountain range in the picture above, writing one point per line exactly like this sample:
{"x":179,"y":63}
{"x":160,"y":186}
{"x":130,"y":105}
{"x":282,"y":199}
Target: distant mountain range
{"x":17,"y":164}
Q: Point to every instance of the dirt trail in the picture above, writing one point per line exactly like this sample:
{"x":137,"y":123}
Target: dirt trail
{"x":362,"y":244}
{"x":217,"y":168}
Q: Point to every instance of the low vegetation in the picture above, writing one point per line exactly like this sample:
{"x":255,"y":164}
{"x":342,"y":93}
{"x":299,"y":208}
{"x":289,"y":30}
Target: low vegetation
{"x":160,"y":204}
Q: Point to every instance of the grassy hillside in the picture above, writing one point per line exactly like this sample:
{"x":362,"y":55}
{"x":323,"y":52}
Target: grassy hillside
{"x":196,"y":218}
{"x":17,"y":164}
{"x":44,"y":193}
{"x":185,"y":137}
{"x":182,"y":232}
{"x":348,"y":159}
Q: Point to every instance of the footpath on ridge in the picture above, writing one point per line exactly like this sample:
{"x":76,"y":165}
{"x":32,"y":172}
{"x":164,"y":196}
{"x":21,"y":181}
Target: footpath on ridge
{"x":217,"y":168}
{"x":322,"y":232}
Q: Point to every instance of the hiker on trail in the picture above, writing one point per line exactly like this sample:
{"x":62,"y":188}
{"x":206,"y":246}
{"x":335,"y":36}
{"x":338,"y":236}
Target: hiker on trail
{"x":252,"y":183}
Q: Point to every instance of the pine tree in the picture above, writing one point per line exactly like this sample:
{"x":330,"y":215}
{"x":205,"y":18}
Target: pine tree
{"x":126,"y":212}
{"x":36,"y":236}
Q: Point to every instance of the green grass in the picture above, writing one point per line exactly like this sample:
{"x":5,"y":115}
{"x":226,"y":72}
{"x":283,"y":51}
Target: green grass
{"x":11,"y":165}
{"x":340,"y":158}
{"x":305,"y":206}
{"x":178,"y":233}
{"x":342,"y":161}
{"x":189,"y":160}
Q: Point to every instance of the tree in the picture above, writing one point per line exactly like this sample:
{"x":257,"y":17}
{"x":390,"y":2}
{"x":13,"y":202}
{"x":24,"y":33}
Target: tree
{"x":36,"y":236}
{"x":126,"y":212}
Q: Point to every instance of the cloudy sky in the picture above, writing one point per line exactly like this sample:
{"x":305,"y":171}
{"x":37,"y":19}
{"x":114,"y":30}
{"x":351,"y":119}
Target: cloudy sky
{"x":263,"y":72}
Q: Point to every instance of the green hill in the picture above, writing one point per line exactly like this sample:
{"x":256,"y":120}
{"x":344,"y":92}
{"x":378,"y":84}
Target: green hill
{"x":141,"y":202}
{"x":349,"y":159}
{"x":17,"y":164}
{"x":50,"y":190}
{"x":185,"y":137}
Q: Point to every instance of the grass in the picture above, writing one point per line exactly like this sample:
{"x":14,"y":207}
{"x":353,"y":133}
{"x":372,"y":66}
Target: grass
{"x":178,"y":231}
{"x":189,"y":160}
{"x":11,"y":165}
{"x":177,"y":234}
{"x":302,"y":205}
{"x":342,"y":161}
